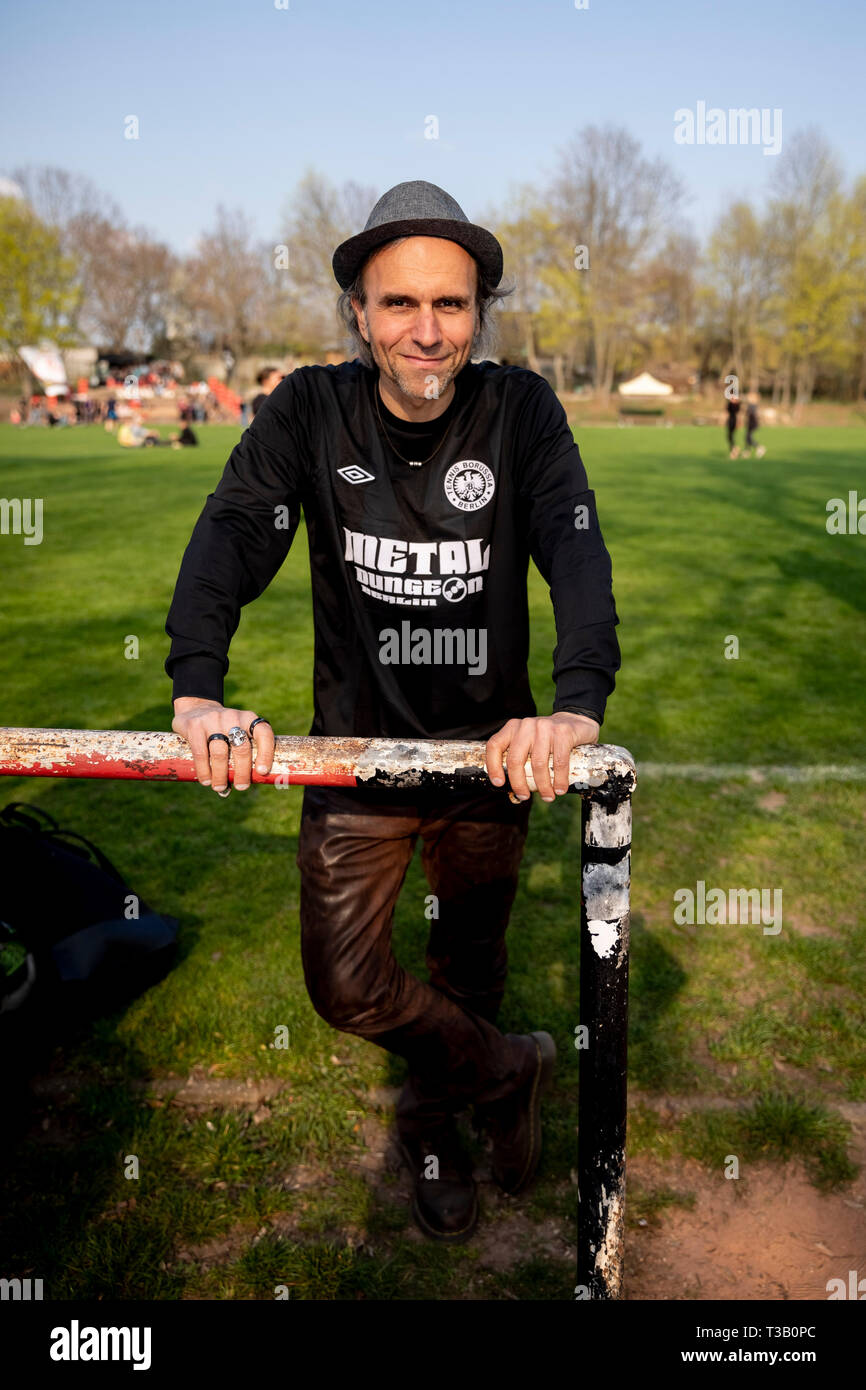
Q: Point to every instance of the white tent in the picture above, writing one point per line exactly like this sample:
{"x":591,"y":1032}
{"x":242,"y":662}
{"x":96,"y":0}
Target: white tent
{"x":645,"y":385}
{"x":46,"y":364}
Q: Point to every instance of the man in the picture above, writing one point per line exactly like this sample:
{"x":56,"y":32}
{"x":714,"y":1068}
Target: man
{"x":733,"y":406}
{"x":268,"y":378}
{"x":752,"y":426}
{"x":427,"y":481}
{"x":184,"y":439}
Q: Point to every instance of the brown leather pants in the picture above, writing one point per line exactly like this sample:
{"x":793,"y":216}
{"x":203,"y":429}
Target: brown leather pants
{"x":353,"y":853}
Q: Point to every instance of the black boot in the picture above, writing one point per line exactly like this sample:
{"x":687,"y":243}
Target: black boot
{"x":444,"y":1201}
{"x":513,"y":1123}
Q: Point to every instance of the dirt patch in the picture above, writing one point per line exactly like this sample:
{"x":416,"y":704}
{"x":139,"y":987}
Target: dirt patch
{"x":377,"y":1141}
{"x":804,"y":926}
{"x":513,"y":1238}
{"x":767,"y":1235}
{"x":303,"y":1177}
{"x":222,"y":1249}
{"x":286,"y":1225}
{"x":381,"y":1097}
{"x":506,"y":1236}
{"x":201,"y":1091}
{"x":670,"y":1108}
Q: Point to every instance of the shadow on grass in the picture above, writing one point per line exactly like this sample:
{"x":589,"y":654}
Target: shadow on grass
{"x":64,"y":1183}
{"x":658,"y":1055}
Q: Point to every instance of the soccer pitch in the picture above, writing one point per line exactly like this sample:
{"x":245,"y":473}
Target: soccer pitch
{"x":710,"y":556}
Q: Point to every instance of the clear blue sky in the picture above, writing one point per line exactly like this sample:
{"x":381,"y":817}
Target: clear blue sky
{"x":236,"y":100}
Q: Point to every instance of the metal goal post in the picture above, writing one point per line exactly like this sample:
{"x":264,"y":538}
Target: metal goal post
{"x":603,"y":775}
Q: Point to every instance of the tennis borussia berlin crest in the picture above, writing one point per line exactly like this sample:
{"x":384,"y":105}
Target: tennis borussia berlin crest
{"x":469,"y":485}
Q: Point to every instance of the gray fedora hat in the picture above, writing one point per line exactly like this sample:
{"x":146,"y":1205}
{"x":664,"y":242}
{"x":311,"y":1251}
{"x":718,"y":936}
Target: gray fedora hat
{"x":417,"y":208}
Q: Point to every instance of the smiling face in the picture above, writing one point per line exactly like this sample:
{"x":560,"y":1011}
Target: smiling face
{"x":420,"y":320}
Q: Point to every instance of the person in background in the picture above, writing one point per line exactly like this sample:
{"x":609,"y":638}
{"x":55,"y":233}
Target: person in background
{"x":185,"y":438}
{"x":111,"y":414}
{"x":751,"y":425}
{"x":134,"y":435}
{"x":267,"y":378}
{"x":733,"y":403}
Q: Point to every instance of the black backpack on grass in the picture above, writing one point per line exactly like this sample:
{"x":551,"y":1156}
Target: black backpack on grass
{"x":74,"y":938}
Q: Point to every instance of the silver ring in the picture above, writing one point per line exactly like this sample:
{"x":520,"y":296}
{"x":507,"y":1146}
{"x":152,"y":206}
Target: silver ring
{"x":224,"y":794}
{"x":238,"y":736}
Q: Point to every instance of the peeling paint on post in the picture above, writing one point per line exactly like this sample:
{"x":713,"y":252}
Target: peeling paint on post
{"x":604,"y":941}
{"x":337,"y":762}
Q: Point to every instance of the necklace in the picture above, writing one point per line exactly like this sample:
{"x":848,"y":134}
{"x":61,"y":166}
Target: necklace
{"x":413,"y":463}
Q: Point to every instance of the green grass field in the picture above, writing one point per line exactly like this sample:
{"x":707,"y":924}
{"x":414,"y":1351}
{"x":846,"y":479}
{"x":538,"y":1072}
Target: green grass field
{"x":703,"y":548}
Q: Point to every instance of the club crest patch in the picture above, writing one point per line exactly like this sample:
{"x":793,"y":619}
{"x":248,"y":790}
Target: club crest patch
{"x":469,"y":485}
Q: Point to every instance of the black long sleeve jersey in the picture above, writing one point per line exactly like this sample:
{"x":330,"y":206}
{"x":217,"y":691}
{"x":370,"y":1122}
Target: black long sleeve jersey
{"x":419,"y":573}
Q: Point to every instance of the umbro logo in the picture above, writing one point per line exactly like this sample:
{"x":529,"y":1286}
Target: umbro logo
{"x":355,"y":474}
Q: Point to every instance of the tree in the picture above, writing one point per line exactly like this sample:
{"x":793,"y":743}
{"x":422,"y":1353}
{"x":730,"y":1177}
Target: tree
{"x":822,"y":288}
{"x":318,"y":217}
{"x":39,"y":296}
{"x":740,"y":274}
{"x":127,"y":281}
{"x":124,"y":273}
{"x":672,"y":297}
{"x":66,"y":202}
{"x":224,"y":283}
{"x":806,"y":185}
{"x":856,"y":334}
{"x":619,"y":205}
{"x":527,"y":234}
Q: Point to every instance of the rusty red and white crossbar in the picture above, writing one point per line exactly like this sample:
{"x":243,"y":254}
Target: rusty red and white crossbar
{"x":605,"y":778}
{"x":336,"y":762}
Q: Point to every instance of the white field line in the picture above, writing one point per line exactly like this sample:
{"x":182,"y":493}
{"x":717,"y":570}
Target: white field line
{"x":783,"y":772}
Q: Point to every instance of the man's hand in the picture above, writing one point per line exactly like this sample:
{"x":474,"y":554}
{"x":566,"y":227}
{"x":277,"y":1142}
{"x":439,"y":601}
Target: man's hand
{"x":196,"y":719}
{"x":536,"y":739}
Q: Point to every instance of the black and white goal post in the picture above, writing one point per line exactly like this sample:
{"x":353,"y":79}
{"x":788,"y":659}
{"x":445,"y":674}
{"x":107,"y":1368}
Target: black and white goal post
{"x":603,"y":775}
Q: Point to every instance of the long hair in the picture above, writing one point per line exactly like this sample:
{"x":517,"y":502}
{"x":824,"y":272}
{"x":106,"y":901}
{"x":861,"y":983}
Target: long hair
{"x":486,"y":297}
